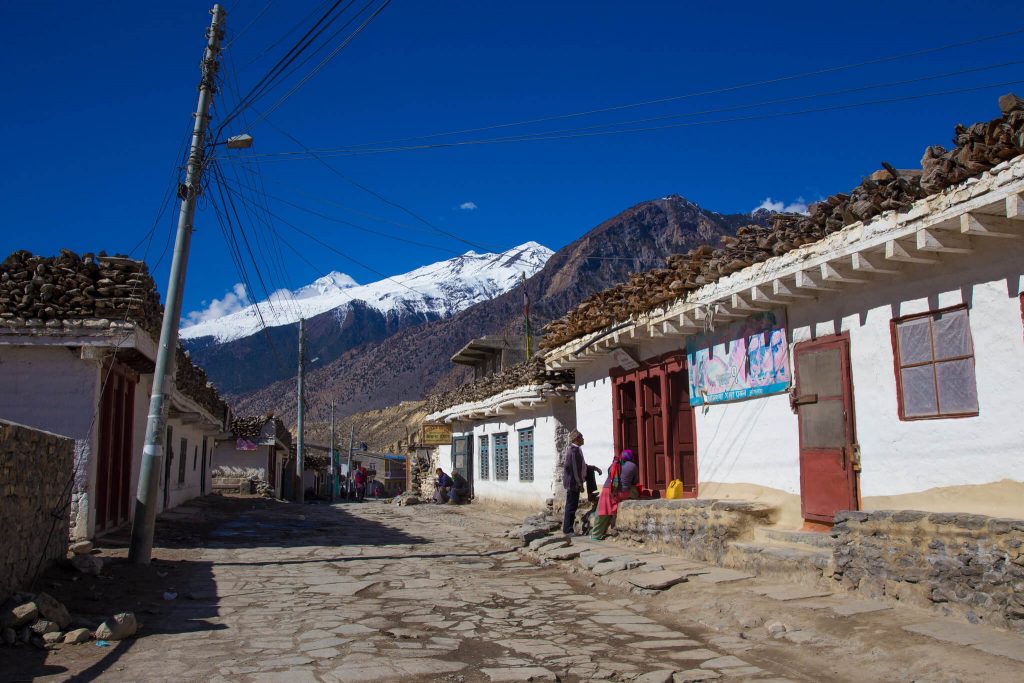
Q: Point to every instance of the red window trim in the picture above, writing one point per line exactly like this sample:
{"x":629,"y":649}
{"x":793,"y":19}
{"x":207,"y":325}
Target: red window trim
{"x":896,"y":364}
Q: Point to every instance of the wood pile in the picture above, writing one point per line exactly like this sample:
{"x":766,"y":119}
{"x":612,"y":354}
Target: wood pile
{"x":191,"y":380}
{"x":251,"y":428}
{"x":528,"y":373}
{"x":49,"y":290}
{"x":977,"y":149}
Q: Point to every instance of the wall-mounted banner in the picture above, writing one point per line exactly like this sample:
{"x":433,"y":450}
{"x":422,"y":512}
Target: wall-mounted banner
{"x":745,"y":359}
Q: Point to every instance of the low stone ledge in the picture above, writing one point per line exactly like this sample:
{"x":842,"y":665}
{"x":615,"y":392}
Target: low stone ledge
{"x":960,"y":564}
{"x":699,"y":529}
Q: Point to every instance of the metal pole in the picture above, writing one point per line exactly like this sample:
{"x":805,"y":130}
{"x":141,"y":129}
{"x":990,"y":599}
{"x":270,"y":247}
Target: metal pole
{"x":301,"y":497}
{"x":333,"y":465}
{"x":351,"y":445}
{"x":144,"y":518}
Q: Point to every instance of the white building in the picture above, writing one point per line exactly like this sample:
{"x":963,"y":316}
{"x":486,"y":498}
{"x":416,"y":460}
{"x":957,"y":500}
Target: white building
{"x":509,"y":427}
{"x":880,"y":368}
{"x":255,"y":447}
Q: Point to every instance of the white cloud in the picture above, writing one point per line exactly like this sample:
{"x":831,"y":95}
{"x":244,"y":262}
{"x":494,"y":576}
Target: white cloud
{"x":468,"y":206}
{"x":231,"y":302}
{"x":799,"y":205}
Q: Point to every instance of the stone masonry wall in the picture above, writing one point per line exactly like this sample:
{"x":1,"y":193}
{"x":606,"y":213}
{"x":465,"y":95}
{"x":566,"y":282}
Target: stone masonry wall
{"x":34,"y":471}
{"x":700,"y":529}
{"x":968,"y":565}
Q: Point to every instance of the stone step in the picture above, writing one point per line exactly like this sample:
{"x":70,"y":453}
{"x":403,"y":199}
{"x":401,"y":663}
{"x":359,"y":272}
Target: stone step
{"x":794,"y":538}
{"x":771,"y":558}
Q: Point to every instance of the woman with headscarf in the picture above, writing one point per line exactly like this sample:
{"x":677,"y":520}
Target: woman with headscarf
{"x":620,"y":485}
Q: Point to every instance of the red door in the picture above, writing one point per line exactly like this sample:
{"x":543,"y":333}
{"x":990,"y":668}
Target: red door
{"x":113,"y":464}
{"x":824,"y":404}
{"x":653,"y":418}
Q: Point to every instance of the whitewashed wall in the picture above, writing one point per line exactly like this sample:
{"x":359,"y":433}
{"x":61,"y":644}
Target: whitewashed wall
{"x":755,"y":442}
{"x":192,"y":486}
{"x":550,"y":424}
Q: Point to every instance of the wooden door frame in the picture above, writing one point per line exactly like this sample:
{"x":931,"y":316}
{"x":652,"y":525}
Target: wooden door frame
{"x":659,"y":367}
{"x":846,"y":377}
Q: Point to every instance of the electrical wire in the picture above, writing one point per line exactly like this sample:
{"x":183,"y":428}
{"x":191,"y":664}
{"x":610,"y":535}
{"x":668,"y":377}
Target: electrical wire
{"x":714,"y":91}
{"x":567,"y":135}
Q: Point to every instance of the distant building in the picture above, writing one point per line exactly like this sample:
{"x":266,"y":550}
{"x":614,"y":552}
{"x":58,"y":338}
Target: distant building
{"x":509,"y":425}
{"x":255,"y":448}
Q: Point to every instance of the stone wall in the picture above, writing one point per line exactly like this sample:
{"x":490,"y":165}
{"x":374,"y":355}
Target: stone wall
{"x":700,"y":529}
{"x":961,"y":564}
{"x":34,"y":470}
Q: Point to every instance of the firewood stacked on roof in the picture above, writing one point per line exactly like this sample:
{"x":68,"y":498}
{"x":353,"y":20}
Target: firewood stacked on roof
{"x":528,"y":373}
{"x":191,"y":380}
{"x":977,"y":149}
{"x":49,"y":291}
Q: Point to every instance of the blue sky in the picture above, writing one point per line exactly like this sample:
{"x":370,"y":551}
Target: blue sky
{"x":99,"y":97}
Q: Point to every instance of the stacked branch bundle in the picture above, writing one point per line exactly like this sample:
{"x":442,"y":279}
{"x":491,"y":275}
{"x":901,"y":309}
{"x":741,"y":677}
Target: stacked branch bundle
{"x":976,"y":149}
{"x":49,"y":291}
{"x":528,"y":373}
{"x":191,"y":380}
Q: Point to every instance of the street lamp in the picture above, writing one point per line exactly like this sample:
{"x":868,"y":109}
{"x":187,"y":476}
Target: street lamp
{"x":243,"y":141}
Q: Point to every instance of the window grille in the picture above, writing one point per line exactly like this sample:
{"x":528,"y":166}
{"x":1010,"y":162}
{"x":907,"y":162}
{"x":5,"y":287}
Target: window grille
{"x":501,"y":456}
{"x":526,"y":454}
{"x":485,"y":458}
{"x":935,"y":365}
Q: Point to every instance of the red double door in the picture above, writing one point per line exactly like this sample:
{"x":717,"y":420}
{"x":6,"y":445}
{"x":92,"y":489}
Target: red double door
{"x":654,"y":419}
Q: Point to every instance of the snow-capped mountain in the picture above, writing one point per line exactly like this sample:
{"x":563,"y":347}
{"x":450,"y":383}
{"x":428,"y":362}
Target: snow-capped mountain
{"x":437,"y":290}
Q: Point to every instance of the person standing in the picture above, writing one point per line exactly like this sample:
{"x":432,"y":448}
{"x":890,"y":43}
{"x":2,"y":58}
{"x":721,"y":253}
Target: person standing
{"x":360,"y":480}
{"x":574,"y":479}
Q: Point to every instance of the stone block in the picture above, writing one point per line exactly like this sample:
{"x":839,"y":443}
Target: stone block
{"x":79,"y":635}
{"x":81,"y":547}
{"x":117,"y":627}
{"x":656,"y":580}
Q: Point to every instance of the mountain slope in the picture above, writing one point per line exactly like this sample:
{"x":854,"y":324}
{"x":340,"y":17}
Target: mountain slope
{"x":341,"y":315}
{"x":415,"y":360}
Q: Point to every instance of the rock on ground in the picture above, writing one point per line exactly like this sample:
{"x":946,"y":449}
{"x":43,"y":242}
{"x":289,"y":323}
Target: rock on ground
{"x":50,"y":608}
{"x":118,"y":627}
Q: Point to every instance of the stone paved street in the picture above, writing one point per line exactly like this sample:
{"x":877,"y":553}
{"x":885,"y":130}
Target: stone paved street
{"x":376,"y":592}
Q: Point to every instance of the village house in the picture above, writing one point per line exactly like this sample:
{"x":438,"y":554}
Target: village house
{"x":77,"y":352}
{"x":509,"y":425}
{"x":255,"y":448}
{"x":835,"y":368}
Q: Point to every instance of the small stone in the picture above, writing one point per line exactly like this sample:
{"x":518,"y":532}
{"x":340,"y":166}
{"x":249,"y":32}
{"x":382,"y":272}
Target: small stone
{"x":79,"y":635}
{"x":50,"y":608}
{"x":87,"y":564}
{"x":81,"y":547}
{"x":44,"y":626}
{"x":23,"y":614}
{"x":53,"y":637}
{"x":118,"y":627}
{"x":775,"y":628}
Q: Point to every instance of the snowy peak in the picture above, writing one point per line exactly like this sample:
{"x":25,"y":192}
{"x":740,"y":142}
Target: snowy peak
{"x":437,"y":290}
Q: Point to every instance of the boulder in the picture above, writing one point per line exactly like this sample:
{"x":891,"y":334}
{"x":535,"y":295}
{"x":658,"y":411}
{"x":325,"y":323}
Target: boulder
{"x":50,"y":608}
{"x":79,"y":635}
{"x":118,"y":627}
{"x":87,"y":564}
{"x":23,"y":614}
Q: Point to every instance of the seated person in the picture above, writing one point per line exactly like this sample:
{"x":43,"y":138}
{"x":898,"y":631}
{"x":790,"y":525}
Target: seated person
{"x":460,"y":489}
{"x":442,"y":486}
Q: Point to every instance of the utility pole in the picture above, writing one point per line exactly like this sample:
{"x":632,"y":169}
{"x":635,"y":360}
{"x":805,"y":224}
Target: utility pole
{"x":144,"y":518}
{"x":351,"y":445}
{"x":301,"y":497}
{"x":334,"y":465}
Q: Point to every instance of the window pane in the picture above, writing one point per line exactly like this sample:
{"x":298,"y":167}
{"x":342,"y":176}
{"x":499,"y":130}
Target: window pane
{"x":958,"y":392}
{"x":918,"y":386}
{"x":952,"y":334}
{"x":820,"y":372}
{"x":915,"y":342}
{"x":822,"y":425}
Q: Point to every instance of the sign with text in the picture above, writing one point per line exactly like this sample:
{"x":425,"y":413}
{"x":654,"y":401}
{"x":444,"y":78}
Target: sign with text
{"x":437,"y":434}
{"x":746,"y":359}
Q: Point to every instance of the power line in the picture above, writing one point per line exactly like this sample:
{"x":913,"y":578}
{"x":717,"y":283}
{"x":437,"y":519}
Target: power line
{"x":714,"y":91}
{"x":582,"y":133}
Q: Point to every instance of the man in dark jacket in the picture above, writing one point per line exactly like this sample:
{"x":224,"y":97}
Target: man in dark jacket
{"x":574,"y":478}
